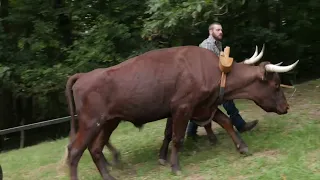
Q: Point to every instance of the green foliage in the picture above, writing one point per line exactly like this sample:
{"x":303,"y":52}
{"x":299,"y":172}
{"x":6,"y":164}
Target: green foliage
{"x":98,"y":46}
{"x":4,"y":76}
{"x":43,"y":42}
{"x":3,"y":72}
{"x":170,"y":19}
{"x":178,"y":19}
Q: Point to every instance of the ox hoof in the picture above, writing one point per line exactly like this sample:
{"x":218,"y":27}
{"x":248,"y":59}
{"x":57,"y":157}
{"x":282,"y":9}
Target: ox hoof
{"x":110,"y":178}
{"x":177,"y":172}
{"x":116,"y":159}
{"x":115,"y":163}
{"x":245,"y":151}
{"x":162,"y":162}
{"x":213,"y":141}
{"x":118,"y":165}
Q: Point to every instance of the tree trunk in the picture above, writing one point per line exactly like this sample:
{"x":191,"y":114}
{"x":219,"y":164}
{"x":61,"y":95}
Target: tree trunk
{"x":1,"y":174}
{"x":3,"y":14}
{"x":263,"y":11}
{"x":278,"y":17}
{"x":64,"y":24}
{"x":6,"y":109}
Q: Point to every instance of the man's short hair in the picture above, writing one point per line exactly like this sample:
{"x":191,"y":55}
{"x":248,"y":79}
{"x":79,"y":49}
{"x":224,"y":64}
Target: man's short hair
{"x":211,"y":25}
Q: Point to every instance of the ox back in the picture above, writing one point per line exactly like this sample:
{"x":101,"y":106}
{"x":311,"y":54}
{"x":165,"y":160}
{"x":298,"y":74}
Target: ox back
{"x":143,"y":89}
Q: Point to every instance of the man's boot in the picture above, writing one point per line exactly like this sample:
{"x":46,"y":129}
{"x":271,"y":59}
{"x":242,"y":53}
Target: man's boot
{"x":248,"y":126}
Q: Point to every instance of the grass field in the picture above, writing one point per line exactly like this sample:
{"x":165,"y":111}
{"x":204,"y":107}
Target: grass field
{"x":284,"y":147}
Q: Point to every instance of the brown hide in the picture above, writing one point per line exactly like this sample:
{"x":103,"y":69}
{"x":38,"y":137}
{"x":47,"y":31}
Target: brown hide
{"x":150,"y":86}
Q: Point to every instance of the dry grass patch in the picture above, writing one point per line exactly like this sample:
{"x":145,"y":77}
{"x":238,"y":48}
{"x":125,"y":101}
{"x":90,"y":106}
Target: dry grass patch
{"x":273,"y":155}
{"x":196,"y":177}
{"x":268,"y":156}
{"x":312,"y":161}
{"x":241,"y":177}
{"x":42,"y":169}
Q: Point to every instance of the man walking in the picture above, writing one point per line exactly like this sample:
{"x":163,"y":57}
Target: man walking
{"x":213,"y":43}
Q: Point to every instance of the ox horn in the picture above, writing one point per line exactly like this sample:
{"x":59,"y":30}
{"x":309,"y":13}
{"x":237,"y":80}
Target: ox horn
{"x":280,"y":69}
{"x":255,"y":58}
{"x":279,"y":64}
{"x":255,"y":53}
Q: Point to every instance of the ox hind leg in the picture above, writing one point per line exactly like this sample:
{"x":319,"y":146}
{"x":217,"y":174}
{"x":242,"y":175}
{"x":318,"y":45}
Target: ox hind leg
{"x":87,"y":131}
{"x":166,"y":141}
{"x":225,"y":122}
{"x":211,"y":136}
{"x":97,"y":146}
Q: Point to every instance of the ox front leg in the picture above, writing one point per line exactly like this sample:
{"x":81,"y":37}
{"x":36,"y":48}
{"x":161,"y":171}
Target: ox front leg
{"x":211,"y":136}
{"x":165,"y":144}
{"x":115,"y":154}
{"x":225,"y":122}
{"x":180,"y":120}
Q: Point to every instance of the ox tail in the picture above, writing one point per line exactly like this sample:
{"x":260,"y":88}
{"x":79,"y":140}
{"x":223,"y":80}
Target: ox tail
{"x":69,"y":96}
{"x":70,"y":100}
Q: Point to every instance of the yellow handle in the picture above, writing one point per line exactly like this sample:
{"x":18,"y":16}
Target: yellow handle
{"x":226,"y":51}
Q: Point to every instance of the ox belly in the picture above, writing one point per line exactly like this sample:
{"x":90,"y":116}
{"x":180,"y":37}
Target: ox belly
{"x":140,"y":107}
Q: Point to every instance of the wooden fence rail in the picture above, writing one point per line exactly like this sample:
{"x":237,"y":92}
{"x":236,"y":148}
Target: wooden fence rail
{"x":31,"y":126}
{"x":22,"y":128}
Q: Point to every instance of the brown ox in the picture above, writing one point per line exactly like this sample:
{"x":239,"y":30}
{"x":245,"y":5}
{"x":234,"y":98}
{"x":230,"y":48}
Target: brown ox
{"x":179,"y":82}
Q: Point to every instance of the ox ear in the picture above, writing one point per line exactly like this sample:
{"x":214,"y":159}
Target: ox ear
{"x":263,"y":74}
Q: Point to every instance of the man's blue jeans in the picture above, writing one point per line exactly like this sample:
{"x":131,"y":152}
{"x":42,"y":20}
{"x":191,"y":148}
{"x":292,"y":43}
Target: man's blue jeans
{"x":232,"y":111}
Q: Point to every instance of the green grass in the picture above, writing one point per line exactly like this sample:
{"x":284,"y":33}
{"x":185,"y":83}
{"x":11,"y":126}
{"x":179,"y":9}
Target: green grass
{"x":283,"y":147}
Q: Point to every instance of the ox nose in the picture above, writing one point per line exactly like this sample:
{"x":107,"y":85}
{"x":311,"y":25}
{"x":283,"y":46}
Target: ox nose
{"x":283,"y":108}
{"x":287,"y":107}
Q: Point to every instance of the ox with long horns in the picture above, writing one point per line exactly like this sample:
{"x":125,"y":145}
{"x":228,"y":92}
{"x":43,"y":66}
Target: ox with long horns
{"x":181,"y":83}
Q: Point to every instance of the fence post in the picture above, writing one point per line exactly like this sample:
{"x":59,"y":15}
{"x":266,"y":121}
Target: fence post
{"x":1,"y":173}
{"x":22,"y":134}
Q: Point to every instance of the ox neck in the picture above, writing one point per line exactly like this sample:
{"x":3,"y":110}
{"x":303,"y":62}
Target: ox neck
{"x":240,"y":80}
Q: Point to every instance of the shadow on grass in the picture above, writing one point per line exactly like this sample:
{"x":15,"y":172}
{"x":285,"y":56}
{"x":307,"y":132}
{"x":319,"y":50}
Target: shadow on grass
{"x":271,"y":134}
{"x":145,"y":157}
